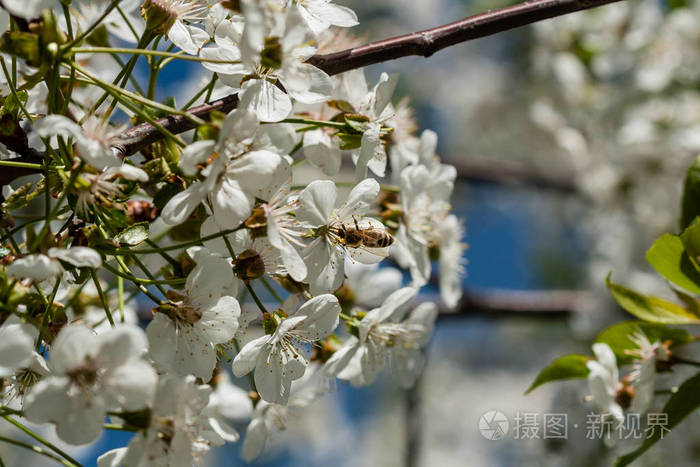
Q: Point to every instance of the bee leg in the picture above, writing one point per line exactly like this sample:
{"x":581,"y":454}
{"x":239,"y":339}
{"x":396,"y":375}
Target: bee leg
{"x":357,"y":226}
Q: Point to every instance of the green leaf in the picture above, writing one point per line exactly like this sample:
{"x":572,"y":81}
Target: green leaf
{"x":11,"y":106}
{"x":349,"y":141}
{"x":651,"y":309}
{"x":566,"y":367}
{"x":617,"y":337}
{"x":690,"y":204}
{"x":691,"y":242}
{"x":678,"y":406}
{"x":166,"y":192}
{"x":21,"y":44}
{"x":357,"y":122}
{"x":134,"y":234}
{"x":667,"y":255}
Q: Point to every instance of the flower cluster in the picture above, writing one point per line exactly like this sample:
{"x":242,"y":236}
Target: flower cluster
{"x":257,"y":239}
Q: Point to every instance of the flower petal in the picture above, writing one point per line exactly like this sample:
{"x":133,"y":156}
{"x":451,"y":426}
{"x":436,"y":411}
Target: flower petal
{"x":321,"y":152}
{"x":194,"y":154}
{"x":321,"y":317}
{"x":78,"y":256}
{"x":183,"y":204}
{"x":269,"y":102}
{"x":316,"y":203}
{"x":247,"y":358}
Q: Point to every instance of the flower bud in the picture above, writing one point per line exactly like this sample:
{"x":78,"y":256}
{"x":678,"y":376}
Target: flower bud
{"x":249,"y":265}
{"x":268,"y":323}
{"x":257,"y":223}
{"x":624,"y":396}
{"x":159,"y":18}
{"x":271,"y":55}
{"x":233,"y":5}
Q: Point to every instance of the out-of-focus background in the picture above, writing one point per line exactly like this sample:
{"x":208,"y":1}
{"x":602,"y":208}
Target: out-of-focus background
{"x":571,"y":137}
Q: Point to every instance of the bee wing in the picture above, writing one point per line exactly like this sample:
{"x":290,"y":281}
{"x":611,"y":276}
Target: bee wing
{"x":366,"y":255}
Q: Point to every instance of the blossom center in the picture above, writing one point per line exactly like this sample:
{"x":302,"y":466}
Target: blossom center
{"x":85,"y":375}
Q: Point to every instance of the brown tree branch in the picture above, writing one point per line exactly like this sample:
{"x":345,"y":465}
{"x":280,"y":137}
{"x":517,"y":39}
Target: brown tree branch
{"x":501,"y":302}
{"x":518,"y":302}
{"x":422,"y":43}
{"x":427,"y":42}
{"x":506,"y":172}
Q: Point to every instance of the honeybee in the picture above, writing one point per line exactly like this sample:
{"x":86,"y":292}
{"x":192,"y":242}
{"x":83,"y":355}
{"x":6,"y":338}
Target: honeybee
{"x":371,"y":239}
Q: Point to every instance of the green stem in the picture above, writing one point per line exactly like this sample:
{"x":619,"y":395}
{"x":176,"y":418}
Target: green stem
{"x":93,"y":26}
{"x":143,"y":100}
{"x":126,"y":71}
{"x":114,"y":426}
{"x":308,"y":121}
{"x":56,"y":208}
{"x":38,"y":438}
{"x":255,"y":297}
{"x":120,"y":293}
{"x":152,"y":53}
{"x":122,"y":264}
{"x":139,"y":280}
{"x":36,"y":449}
{"x":101,"y":294}
{"x":137,"y":37}
{"x":142,"y":114}
{"x":270,"y":289}
{"x":22,"y":165}
{"x":144,"y":251}
{"x":13,"y":90}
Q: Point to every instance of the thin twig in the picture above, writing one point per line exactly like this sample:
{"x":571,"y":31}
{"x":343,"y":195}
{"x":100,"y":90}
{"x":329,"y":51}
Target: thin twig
{"x":426,"y":43}
{"x":529,"y":303}
{"x":422,"y":43}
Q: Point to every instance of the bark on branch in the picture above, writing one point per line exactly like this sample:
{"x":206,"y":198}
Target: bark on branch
{"x":427,"y":42}
{"x":519,"y":302}
{"x":422,"y":43}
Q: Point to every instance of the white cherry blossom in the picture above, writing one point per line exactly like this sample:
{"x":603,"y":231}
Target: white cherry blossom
{"x":91,"y":374}
{"x":324,"y":256}
{"x":370,"y":285}
{"x":28,"y":9}
{"x":277,"y":358}
{"x":40,"y":267}
{"x":240,"y":167}
{"x":17,"y":341}
{"x":93,"y":140}
{"x":177,"y":19}
{"x":643,"y":377}
{"x":178,"y":434}
{"x":183,"y":334}
{"x":376,"y":106}
{"x":321,"y":14}
{"x":360,"y":359}
{"x":268,"y":418}
{"x":274,"y":47}
{"x":604,"y":381}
